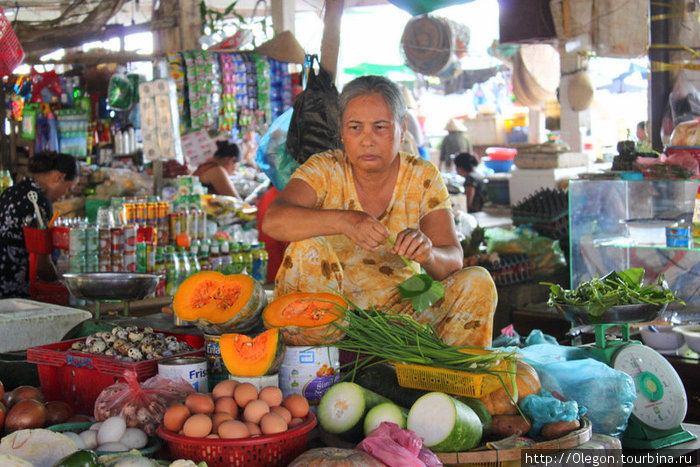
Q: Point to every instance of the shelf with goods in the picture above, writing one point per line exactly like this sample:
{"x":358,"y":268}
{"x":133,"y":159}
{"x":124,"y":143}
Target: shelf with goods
{"x":618,"y":224}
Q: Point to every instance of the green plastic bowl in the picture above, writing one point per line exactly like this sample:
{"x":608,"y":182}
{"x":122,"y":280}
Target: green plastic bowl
{"x":154,"y":443}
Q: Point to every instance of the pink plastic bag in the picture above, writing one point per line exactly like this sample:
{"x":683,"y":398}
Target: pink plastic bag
{"x":398,"y":448}
{"x":141,"y":404}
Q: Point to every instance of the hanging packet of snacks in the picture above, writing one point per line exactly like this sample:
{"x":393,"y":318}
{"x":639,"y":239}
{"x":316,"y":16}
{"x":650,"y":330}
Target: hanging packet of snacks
{"x":228,"y":117}
{"x":262,"y":72}
{"x":195,"y":107}
{"x":207,"y":66}
{"x":176,"y":71}
{"x":239,"y":82}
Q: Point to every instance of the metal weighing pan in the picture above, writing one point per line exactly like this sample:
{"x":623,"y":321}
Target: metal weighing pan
{"x":111,"y":287}
{"x":615,"y":314}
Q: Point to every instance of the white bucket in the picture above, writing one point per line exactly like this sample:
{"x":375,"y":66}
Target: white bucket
{"x":309,"y":372}
{"x":258,"y":381}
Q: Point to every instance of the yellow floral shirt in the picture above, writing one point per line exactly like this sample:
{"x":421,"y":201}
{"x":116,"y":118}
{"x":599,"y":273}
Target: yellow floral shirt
{"x":371,"y":277}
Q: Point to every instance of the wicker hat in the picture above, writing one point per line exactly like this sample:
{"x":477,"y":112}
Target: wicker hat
{"x":283,"y":47}
{"x":580,"y":91}
{"x":455,"y":125}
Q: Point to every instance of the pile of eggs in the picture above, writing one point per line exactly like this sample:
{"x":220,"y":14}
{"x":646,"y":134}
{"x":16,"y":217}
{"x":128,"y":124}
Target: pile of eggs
{"x":236,"y":410}
{"x":111,"y":435}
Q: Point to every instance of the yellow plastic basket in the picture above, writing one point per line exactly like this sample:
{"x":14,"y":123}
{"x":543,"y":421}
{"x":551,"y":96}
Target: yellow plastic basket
{"x":459,"y":383}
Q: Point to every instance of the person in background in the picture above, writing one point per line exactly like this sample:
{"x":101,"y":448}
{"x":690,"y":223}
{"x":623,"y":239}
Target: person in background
{"x":342,"y":208}
{"x":465,"y":164}
{"x":52,"y":175}
{"x":214,"y":173}
{"x":454,"y":142}
{"x":642,"y":131}
{"x":414,"y":141}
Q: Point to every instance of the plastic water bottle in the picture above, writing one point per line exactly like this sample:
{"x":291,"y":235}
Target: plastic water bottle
{"x":185,"y":267}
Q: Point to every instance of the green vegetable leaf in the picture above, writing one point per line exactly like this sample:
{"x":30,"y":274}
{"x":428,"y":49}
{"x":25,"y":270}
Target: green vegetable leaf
{"x":420,"y":288}
{"x":428,"y":298}
{"x":632,"y":276}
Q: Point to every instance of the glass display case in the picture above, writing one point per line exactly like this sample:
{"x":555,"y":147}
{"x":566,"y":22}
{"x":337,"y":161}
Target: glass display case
{"x":618,"y":224}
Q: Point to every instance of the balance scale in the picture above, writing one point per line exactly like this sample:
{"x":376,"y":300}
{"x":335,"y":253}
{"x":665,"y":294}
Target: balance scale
{"x":661,"y":402}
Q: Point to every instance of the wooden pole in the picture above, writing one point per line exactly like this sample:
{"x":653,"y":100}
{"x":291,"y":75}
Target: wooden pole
{"x":330,"y":42}
{"x":660,"y":81}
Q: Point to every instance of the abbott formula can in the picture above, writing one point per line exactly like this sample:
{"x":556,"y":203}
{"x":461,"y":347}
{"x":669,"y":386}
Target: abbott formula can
{"x":309,"y":372}
{"x":191,"y":369}
{"x":215,"y":364}
{"x":258,"y":381}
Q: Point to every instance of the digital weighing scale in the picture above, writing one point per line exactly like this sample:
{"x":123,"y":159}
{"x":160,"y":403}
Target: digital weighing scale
{"x":661,"y":402}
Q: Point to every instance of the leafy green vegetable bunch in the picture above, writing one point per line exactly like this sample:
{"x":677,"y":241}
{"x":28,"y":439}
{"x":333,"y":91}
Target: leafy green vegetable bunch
{"x":613,"y":289}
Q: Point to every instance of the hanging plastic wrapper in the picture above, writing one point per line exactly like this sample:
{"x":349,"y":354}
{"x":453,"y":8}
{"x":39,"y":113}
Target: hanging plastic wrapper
{"x":160,"y":123}
{"x":119,"y":92}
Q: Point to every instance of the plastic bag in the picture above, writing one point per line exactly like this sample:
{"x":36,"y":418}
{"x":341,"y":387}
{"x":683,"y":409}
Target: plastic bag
{"x":120,"y":92}
{"x":607,"y":394}
{"x":546,"y":254}
{"x":272,"y":156}
{"x":544,"y":408}
{"x":314,"y":125}
{"x":684,"y":100}
{"x":398,"y":448}
{"x":141,"y":404}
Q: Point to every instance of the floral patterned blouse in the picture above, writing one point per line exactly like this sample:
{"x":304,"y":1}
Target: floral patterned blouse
{"x":15,"y":211}
{"x":419,"y":190}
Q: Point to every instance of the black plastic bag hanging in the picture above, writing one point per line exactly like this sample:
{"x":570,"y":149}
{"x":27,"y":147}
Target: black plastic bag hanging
{"x":314,"y":125}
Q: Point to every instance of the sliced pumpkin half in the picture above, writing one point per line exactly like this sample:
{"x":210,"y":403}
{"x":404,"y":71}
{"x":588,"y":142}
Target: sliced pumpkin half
{"x":306,"y":318}
{"x":246,"y":356}
{"x":212,"y":296}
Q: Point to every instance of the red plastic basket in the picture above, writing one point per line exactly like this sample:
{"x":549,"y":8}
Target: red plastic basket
{"x":259,"y":451}
{"x":60,"y":236}
{"x":11,"y":52}
{"x":38,"y":241}
{"x":78,"y":378}
{"x":48,"y":292}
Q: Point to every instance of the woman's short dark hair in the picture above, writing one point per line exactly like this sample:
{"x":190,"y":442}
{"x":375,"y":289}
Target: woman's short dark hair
{"x":466,"y":161}
{"x":373,"y":84}
{"x":46,"y":161}
{"x":226,"y":149}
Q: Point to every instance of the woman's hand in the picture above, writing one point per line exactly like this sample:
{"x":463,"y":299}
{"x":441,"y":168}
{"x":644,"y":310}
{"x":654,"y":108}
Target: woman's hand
{"x":364,"y":230}
{"x":413,"y":245}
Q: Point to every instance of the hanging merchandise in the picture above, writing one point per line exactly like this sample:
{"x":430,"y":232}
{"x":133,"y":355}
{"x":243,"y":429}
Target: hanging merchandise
{"x":29,"y":116}
{"x":314,"y":125}
{"x":119,"y":92}
{"x":433,"y":46}
{"x":176,"y":71}
{"x":45,"y":86}
{"x":160,"y":124}
{"x":11,"y":52}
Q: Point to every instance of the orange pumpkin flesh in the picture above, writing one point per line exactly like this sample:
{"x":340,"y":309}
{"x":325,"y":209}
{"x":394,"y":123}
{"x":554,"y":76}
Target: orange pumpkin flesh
{"x":306,"y":318}
{"x":527,"y":382}
{"x":246,"y":356}
{"x":217,"y":298}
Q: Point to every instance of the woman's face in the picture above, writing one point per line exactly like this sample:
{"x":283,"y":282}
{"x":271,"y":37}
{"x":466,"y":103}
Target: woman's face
{"x":369,"y":133}
{"x":230,"y":165}
{"x":58,"y":186}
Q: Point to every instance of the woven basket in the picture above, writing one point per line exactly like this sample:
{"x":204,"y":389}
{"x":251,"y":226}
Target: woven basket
{"x":433,"y":45}
{"x":498,"y":457}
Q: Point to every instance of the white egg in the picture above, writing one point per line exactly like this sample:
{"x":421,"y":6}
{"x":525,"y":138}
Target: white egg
{"x":111,"y":447}
{"x":89,"y":438}
{"x":134,"y":438}
{"x":76,"y":437}
{"x":96,"y":426}
{"x":111,"y":430}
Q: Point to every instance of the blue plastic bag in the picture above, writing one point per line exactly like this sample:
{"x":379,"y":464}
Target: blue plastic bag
{"x":544,"y":408}
{"x":606,"y":393}
{"x":272,"y":156}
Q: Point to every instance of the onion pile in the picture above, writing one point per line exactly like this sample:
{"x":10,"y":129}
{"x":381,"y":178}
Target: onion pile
{"x":24,"y":407}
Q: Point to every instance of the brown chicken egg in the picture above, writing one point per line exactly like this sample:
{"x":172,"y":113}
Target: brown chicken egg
{"x":297,"y":405}
{"x":197,"y":426}
{"x":224,"y":389}
{"x":200,"y":403}
{"x":255,"y":410}
{"x":296,"y":422}
{"x":175,"y":417}
{"x":253,"y":428}
{"x":244,"y":393}
{"x":233,"y":429}
{"x":286,"y":414}
{"x":226,"y":404}
{"x":272,"y":423}
{"x":272,"y":395}
{"x":218,"y":418}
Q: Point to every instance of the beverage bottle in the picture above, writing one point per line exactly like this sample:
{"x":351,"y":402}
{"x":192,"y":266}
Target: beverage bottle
{"x":203,"y":254}
{"x":161,"y":270}
{"x":264,"y":259}
{"x":247,"y":259}
{"x":257,"y":262}
{"x":225,"y":256}
{"x":214,"y":257}
{"x":194,"y":262}
{"x":172,"y":265}
{"x":236,"y":258}
{"x":185,"y":267}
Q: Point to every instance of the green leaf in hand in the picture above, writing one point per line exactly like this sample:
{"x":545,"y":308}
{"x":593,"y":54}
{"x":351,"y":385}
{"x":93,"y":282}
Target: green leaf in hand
{"x":420,"y":288}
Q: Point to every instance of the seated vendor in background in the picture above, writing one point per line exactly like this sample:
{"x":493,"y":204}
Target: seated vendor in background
{"x":341,"y":207}
{"x":52,"y":175}
{"x":214,"y":173}
{"x":474,"y":190}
